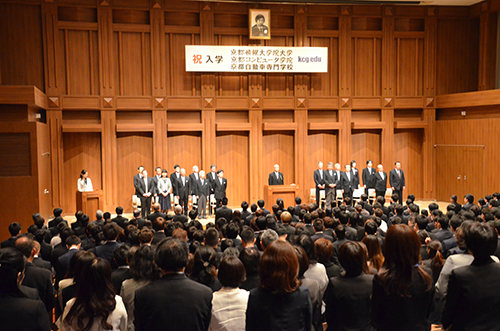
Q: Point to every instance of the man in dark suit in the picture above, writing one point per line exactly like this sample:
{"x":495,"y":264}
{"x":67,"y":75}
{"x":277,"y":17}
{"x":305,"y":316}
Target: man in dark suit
{"x":203,"y":189}
{"x":319,"y":227}
{"x":348,"y":182}
{"x":458,"y":207}
{"x":35,"y":277}
{"x":14,"y":230}
{"x":119,"y":219}
{"x":38,"y":261}
{"x":224,"y":211}
{"x":275,"y":177}
{"x":155,"y":178}
{"x":188,"y":305}
{"x":106,"y":251}
{"x":144,"y":189}
{"x":73,"y":244}
{"x":122,"y":272}
{"x":136,"y":219}
{"x":468,"y":202}
{"x":380,"y":181}
{"x":319,"y":181}
{"x":474,"y":291}
{"x":332,"y":181}
{"x":179,"y":216}
{"x":183,"y":190}
{"x":174,"y":177}
{"x":156,"y":213}
{"x":159,"y":227}
{"x":397,"y":181}
{"x":367,"y":176}
{"x":220,"y":186}
{"x":443,"y":224}
{"x":193,"y":179}
{"x":57,"y":218}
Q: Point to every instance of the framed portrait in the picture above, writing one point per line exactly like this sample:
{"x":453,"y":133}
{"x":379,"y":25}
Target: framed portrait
{"x":259,"y":21}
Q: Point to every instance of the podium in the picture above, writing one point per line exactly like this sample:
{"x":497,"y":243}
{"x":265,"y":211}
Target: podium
{"x":285,"y":192}
{"x":89,"y":202}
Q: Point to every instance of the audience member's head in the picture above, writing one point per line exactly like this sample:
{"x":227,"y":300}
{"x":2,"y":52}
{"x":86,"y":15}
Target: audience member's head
{"x":171,"y":255}
{"x":324,"y":249}
{"x":231,"y":272}
{"x":481,"y":239}
{"x":352,"y":258}
{"x":12,"y":266}
{"x":142,"y":265}
{"x":250,"y":257}
{"x":279,"y":268}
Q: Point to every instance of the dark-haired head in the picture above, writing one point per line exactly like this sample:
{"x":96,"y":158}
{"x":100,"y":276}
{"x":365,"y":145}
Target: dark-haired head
{"x":12,"y":266}
{"x":250,"y":257}
{"x":279,"y":268}
{"x":482,"y":240}
{"x":171,"y":255}
{"x":95,"y":297}
{"x":303,"y":260}
{"x":352,"y":257}
{"x":205,"y":265}
{"x":308,"y":245}
{"x":142,"y":264}
{"x":231,"y":272}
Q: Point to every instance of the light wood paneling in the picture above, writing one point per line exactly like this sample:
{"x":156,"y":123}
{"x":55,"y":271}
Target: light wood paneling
{"x":365,"y":145}
{"x":322,"y":146}
{"x":183,"y":149}
{"x":133,"y":149}
{"x":232,"y":152}
{"x":408,"y":149}
{"x":367,"y":68}
{"x":80,"y":151}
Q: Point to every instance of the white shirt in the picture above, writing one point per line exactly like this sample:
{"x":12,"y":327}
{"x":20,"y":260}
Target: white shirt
{"x":321,"y":174}
{"x":317,"y":271}
{"x":85,"y":186}
{"x":348,"y":175}
{"x":146,"y":183}
{"x":118,"y":318}
{"x":381,"y":174}
{"x":229,"y":307}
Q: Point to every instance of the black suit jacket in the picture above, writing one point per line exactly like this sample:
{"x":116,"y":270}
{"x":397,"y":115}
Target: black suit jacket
{"x":8,"y":243}
{"x":319,"y":235}
{"x":273,"y":180}
{"x":23,"y":314}
{"x":220,"y":190}
{"x":183,"y":190}
{"x":158,"y":236}
{"x":120,"y":220}
{"x":473,"y":297}
{"x":318,"y":180}
{"x":355,"y":173}
{"x":193,"y":180}
{"x":204,"y":189}
{"x":368,"y":179}
{"x":106,"y":251}
{"x":225,"y":212}
{"x":180,"y":218}
{"x":140,"y":187}
{"x":211,"y":180}
{"x":41,"y":279}
{"x":173,"y":181}
{"x":348,"y":185}
{"x":395,"y":181}
{"x":118,"y":276}
{"x":380,"y":184}
{"x":155,"y":215}
{"x":188,"y":305}
{"x":40,"y":263}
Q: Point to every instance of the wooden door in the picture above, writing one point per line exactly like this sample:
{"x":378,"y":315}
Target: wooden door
{"x":459,"y":171}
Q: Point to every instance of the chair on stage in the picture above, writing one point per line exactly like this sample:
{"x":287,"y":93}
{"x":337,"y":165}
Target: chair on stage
{"x":213,"y":204}
{"x":136,"y":202}
{"x":339,"y":196}
{"x":356,"y":195}
{"x":388,"y":195}
{"x":372,"y":194}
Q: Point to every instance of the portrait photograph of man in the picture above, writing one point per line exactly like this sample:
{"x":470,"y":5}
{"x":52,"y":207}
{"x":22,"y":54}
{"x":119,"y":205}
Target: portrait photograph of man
{"x":259,"y":24}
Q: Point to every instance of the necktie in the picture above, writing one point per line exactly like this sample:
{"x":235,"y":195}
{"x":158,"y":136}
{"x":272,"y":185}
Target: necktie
{"x":399,"y":174}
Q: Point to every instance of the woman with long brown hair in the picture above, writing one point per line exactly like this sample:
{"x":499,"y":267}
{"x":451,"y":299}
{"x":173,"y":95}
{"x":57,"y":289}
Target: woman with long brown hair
{"x":279,"y":303}
{"x":96,"y":307}
{"x":375,"y":256}
{"x":402,"y":290}
{"x":435,"y":260}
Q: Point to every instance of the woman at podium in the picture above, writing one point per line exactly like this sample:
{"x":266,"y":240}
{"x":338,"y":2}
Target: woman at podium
{"x":84,"y":182}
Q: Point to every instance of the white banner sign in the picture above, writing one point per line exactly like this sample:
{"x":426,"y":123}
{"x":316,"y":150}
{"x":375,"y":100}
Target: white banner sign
{"x":256,"y":59}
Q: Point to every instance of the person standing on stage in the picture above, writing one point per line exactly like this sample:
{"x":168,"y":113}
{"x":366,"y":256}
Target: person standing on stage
{"x":397,"y":181}
{"x":276,"y":177}
{"x":348,"y":182}
{"x":155,"y":184}
{"x":164,"y":187}
{"x":203,"y":189}
{"x":174,"y":177}
{"x":194,"y":177}
{"x":380,"y":181}
{"x":144,"y":189}
{"x":355,"y":173}
{"x":220,"y":186}
{"x":319,"y":180}
{"x":84,"y":182}
{"x":367,"y":176}
{"x":183,"y":189}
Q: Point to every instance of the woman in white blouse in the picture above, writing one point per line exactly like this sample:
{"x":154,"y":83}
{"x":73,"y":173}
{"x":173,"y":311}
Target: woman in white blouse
{"x":84,"y":182}
{"x":229,"y":304}
{"x":164,"y":188}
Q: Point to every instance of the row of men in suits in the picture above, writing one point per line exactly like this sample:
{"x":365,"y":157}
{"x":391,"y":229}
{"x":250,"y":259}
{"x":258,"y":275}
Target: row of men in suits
{"x":197,"y":184}
{"x":347,"y":181}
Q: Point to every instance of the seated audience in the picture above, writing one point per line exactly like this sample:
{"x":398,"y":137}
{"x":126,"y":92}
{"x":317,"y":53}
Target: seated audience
{"x":435,"y":261}
{"x":279,"y":303}
{"x":375,"y":256}
{"x":229,"y":304}
{"x":17,"y":312}
{"x":324,"y":249}
{"x":96,"y":306}
{"x":250,"y":256}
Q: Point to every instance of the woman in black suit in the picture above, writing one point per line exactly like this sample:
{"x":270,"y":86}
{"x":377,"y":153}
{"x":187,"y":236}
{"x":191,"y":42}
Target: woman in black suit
{"x":279,"y":303}
{"x":348,"y":297}
{"x":17,"y":312}
{"x":402,"y":290}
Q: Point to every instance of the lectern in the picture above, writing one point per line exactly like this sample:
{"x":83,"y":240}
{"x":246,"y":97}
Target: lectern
{"x":89,"y":202}
{"x":285,"y":192}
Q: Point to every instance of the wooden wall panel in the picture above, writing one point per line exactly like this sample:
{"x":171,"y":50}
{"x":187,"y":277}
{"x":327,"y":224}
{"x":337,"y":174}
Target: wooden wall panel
{"x":326,"y":84}
{"x":232,"y":84}
{"x":367,"y":69}
{"x":322,"y":146}
{"x":457,"y":55}
{"x":182,"y":82}
{"x":183,"y":149}
{"x":409,"y":66}
{"x":232,"y":152}
{"x":134,"y":60}
{"x":278,"y":147}
{"x":473,"y":132}
{"x":408,"y":149}
{"x":133,"y":149}
{"x":21,"y":45}
{"x":80,"y":151}
{"x":365,"y":145}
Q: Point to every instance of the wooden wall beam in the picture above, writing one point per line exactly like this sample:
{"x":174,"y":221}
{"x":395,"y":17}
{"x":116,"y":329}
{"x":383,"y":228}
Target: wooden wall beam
{"x":160,"y":137}
{"x":51,"y":49}
{"x":301,"y":145}
{"x":106,"y":50}
{"x":158,"y":51}
{"x":54,"y":119}
{"x":428,"y":157}
{"x":345,"y":141}
{"x":487,"y":48}
{"x":207,"y":38}
{"x":208,"y":139}
{"x":387,"y":138}
{"x":388,"y":55}
{"x":469,"y":99}
{"x":430,"y":50}
{"x":345,"y":49}
{"x":109,"y":157}
{"x":255,"y":119}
